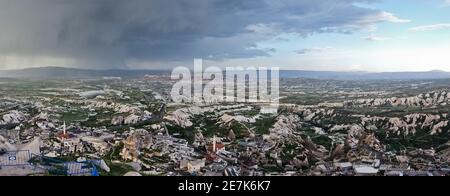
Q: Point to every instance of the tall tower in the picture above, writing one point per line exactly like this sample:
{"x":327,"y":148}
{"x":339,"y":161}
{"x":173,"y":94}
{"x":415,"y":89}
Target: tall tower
{"x":64,"y":128}
{"x":214,"y":144}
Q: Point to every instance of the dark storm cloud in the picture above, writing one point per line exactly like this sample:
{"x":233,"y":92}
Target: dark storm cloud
{"x":107,"y":33}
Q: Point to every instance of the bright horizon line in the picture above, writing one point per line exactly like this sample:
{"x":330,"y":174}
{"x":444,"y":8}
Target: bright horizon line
{"x":281,"y":69}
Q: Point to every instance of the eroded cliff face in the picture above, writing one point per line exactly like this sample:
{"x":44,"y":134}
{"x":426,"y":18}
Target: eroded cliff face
{"x":434,"y":98}
{"x":13,"y":117}
{"x":408,"y":124}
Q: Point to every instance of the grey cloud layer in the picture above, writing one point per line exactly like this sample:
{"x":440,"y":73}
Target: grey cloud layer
{"x":107,"y":34}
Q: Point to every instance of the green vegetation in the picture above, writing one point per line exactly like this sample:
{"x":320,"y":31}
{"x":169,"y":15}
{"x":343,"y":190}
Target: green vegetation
{"x":74,"y":116}
{"x":263,"y":125}
{"x":186,"y":133}
{"x":322,"y":140}
{"x":289,"y":152}
{"x":117,"y":169}
{"x":422,"y":139}
{"x":114,"y":153}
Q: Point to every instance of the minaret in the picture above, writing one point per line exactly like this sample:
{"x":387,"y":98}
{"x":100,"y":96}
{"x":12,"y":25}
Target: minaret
{"x":214,"y":144}
{"x":64,"y":128}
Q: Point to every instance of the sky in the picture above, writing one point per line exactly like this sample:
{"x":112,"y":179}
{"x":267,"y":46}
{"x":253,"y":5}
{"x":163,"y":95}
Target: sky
{"x":323,"y":35}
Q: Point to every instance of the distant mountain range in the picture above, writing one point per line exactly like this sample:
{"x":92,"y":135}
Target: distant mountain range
{"x":71,"y":73}
{"x":436,"y":74}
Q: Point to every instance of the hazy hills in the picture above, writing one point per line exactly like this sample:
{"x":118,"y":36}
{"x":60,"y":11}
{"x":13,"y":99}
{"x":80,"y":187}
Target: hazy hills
{"x":71,"y":73}
{"x":366,"y":75}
